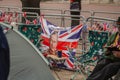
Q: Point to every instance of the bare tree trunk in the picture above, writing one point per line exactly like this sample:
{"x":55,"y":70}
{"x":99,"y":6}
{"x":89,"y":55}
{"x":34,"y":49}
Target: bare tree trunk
{"x":75,"y":5}
{"x":111,"y":1}
{"x":31,"y":4}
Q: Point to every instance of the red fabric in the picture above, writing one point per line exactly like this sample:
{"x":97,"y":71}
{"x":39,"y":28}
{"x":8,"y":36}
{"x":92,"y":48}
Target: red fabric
{"x":35,"y":21}
{"x":1,"y":19}
{"x":72,"y":1}
{"x":27,"y":22}
{"x":24,"y":14}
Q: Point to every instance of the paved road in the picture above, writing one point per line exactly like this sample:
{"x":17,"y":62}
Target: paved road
{"x":65,"y":6}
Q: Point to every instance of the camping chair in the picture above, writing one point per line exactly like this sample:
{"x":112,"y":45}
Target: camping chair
{"x":32,"y":32}
{"x":55,"y":60}
{"x":97,"y":41}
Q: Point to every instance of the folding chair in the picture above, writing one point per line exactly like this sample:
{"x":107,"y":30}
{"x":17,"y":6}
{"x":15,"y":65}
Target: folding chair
{"x":55,"y":61}
{"x":98,"y":40}
{"x":32,"y":32}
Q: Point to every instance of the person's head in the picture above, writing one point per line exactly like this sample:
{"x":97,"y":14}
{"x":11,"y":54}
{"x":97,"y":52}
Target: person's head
{"x":53,"y":41}
{"x":118,"y":24}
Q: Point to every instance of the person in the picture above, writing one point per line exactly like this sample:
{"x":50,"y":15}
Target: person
{"x":4,"y":56}
{"x":53,"y":42}
{"x":110,"y":64}
{"x":51,"y":49}
{"x":75,"y":7}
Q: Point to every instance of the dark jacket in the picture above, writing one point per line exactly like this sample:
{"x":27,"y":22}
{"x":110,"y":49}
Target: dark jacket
{"x":4,"y":56}
{"x":76,"y":4}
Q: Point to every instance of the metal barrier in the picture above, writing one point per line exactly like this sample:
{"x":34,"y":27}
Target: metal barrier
{"x":9,"y":8}
{"x":16,"y":16}
{"x":114,"y":15}
{"x":50,"y":11}
{"x":65,"y":16}
{"x":93,"y":18}
{"x":89,"y":12}
{"x":98,"y":18}
{"x":64,"y":12}
{"x":45,"y":9}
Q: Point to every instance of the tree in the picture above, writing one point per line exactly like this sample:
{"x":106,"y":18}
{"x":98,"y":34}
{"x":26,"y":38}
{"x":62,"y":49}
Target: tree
{"x":75,"y":5}
{"x":31,"y":4}
{"x":111,"y":1}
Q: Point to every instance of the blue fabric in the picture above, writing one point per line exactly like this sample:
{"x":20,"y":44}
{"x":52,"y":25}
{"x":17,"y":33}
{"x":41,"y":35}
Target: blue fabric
{"x":4,"y":56}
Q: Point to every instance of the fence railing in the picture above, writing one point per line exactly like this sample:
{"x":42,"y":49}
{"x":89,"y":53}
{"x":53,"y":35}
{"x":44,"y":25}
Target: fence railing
{"x":60,"y":13}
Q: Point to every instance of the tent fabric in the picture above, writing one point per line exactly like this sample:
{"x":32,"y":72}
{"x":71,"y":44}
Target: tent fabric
{"x":25,"y":63}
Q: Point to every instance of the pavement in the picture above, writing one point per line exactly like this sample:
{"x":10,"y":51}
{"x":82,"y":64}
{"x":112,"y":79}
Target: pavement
{"x":55,"y":7}
{"x":65,"y":5}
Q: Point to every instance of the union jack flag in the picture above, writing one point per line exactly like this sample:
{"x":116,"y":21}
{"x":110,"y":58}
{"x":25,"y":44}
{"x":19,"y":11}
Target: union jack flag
{"x":67,"y":37}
